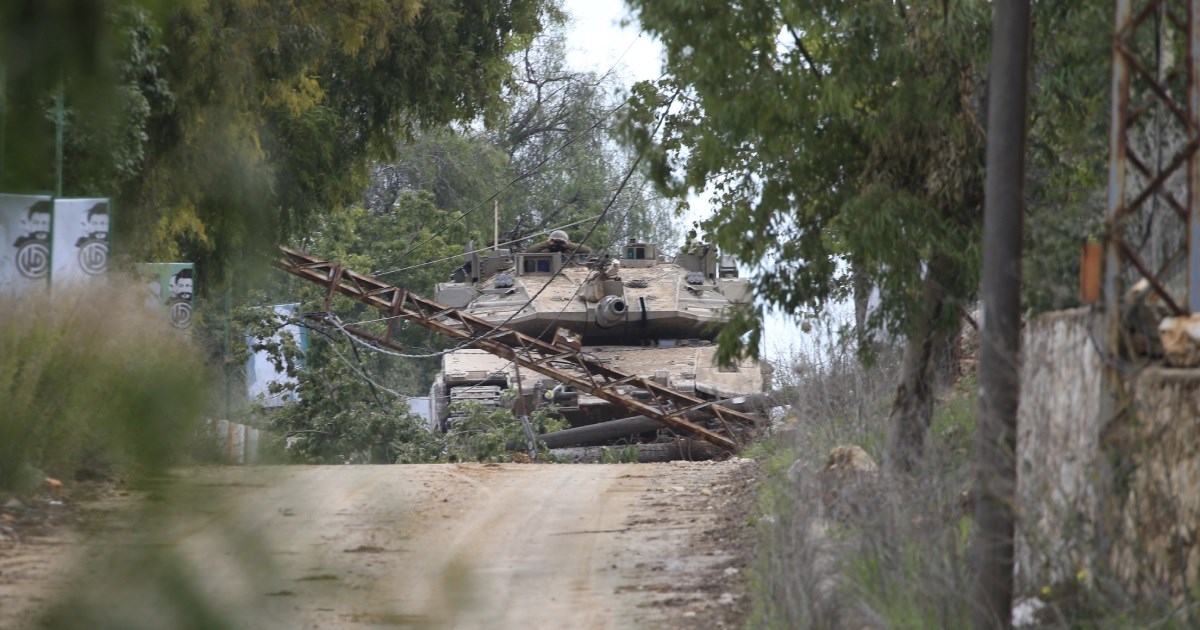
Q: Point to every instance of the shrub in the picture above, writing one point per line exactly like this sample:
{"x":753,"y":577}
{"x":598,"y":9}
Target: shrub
{"x":861,"y":550}
{"x":485,"y":433}
{"x":91,"y":378}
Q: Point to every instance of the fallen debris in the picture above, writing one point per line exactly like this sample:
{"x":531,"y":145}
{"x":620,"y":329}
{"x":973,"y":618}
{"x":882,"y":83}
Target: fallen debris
{"x":692,"y":450}
{"x":1181,"y":340}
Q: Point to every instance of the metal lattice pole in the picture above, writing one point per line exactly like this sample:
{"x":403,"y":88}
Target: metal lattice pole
{"x":1158,"y":196}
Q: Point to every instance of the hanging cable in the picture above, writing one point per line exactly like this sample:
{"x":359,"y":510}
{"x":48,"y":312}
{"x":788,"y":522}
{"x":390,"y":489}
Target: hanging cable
{"x":476,"y":251}
{"x":522,"y":176}
{"x":621,"y":187}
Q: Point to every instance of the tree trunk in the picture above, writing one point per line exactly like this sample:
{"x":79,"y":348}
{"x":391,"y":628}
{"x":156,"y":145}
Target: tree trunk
{"x":862,"y":300}
{"x":912,"y":410}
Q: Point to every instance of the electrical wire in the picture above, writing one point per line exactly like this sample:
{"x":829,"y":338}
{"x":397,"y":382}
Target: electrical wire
{"x":358,"y":370}
{"x":624,"y":182}
{"x":534,"y":169}
{"x":522,"y":176}
{"x":476,"y":251}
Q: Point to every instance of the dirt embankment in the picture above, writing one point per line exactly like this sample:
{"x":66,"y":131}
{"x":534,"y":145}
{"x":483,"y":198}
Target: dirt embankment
{"x":470,"y":546}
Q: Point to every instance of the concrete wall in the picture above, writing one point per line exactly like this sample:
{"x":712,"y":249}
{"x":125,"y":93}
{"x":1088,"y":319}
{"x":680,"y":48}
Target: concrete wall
{"x":238,"y":443}
{"x":1142,"y":472}
{"x":1058,"y":440}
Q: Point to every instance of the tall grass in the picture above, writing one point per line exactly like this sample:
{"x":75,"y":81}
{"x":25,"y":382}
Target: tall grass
{"x":868,"y":550}
{"x":861,"y":549}
{"x":91,"y":379}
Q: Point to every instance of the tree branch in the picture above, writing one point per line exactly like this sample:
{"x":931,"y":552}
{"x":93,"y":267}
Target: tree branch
{"x":812,"y":66}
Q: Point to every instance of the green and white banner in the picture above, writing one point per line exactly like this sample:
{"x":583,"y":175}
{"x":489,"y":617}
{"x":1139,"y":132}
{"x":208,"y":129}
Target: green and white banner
{"x":25,"y":246}
{"x":170,"y":285}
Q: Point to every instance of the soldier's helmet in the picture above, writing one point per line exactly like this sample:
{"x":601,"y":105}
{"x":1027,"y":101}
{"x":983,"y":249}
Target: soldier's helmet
{"x":559,"y":235}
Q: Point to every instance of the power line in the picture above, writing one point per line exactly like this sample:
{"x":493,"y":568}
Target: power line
{"x":475,"y":251}
{"x":616,"y":194}
{"x":527,"y":174}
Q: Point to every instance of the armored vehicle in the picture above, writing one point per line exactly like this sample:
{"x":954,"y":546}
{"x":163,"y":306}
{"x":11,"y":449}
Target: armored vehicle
{"x":640,"y":311}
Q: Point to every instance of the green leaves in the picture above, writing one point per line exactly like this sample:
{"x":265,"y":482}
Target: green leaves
{"x":245,"y":117}
{"x":833,"y":133}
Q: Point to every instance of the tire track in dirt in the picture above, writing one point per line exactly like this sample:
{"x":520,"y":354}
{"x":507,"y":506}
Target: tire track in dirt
{"x":433,"y":546}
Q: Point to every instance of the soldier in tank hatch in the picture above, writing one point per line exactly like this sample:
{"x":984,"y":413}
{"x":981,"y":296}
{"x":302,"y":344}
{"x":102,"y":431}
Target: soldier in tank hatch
{"x":559,"y":242}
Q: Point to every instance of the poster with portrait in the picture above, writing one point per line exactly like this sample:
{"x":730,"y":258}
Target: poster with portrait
{"x":170,"y":286}
{"x":25,"y":244}
{"x":80,"y":241}
{"x":261,"y":373}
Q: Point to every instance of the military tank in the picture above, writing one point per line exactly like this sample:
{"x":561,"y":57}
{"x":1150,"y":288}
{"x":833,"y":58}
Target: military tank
{"x":637,"y":309}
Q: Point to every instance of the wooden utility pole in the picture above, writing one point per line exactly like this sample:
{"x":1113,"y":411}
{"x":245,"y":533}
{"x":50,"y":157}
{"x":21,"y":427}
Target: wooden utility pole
{"x":1000,"y":328}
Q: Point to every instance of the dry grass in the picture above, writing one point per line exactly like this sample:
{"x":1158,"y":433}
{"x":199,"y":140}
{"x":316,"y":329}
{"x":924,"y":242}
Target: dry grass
{"x":91,"y":379}
{"x":861,"y":550}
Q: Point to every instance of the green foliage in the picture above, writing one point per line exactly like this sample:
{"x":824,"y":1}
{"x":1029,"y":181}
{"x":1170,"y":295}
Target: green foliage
{"x":223,"y":126}
{"x":953,"y":429}
{"x":89,"y":383}
{"x":1068,"y":146}
{"x":847,"y":138}
{"x":896,"y":588}
{"x":560,"y":135}
{"x":619,"y":455}
{"x":484,"y":433}
{"x":344,"y":429}
{"x":827,"y":133}
{"x":359,"y":432}
{"x":550,"y":160}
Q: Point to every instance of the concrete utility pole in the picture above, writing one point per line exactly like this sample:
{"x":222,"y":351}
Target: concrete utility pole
{"x":1000,"y":328}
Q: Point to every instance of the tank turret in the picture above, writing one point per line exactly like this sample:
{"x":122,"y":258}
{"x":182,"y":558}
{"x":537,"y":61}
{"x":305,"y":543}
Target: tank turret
{"x":641,"y":310}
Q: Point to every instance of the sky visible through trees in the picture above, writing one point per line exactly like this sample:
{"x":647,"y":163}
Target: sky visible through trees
{"x":602,"y":34}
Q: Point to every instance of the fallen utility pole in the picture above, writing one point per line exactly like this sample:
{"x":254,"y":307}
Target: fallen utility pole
{"x":686,"y":450}
{"x":562,"y":362}
{"x":622,"y":428}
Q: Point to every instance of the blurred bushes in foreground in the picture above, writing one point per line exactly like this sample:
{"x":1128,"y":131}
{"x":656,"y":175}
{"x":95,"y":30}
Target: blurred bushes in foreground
{"x":90,"y":380}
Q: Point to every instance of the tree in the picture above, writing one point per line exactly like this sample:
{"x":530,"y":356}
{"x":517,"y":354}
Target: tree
{"x":560,"y":134}
{"x":276,"y":107}
{"x":551,"y":159}
{"x":830,"y":134}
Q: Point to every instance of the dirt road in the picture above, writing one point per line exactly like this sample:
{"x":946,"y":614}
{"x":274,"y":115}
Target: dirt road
{"x":464,"y":546}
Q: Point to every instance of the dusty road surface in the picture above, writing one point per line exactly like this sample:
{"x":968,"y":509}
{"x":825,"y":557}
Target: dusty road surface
{"x":465,"y":546}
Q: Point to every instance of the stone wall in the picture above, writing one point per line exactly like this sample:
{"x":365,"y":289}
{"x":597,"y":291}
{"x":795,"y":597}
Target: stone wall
{"x":1158,"y":480}
{"x":1144,"y":472}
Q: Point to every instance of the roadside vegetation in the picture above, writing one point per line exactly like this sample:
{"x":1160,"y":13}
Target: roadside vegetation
{"x":847,"y":546}
{"x":842,"y":543}
{"x":93,"y":385}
